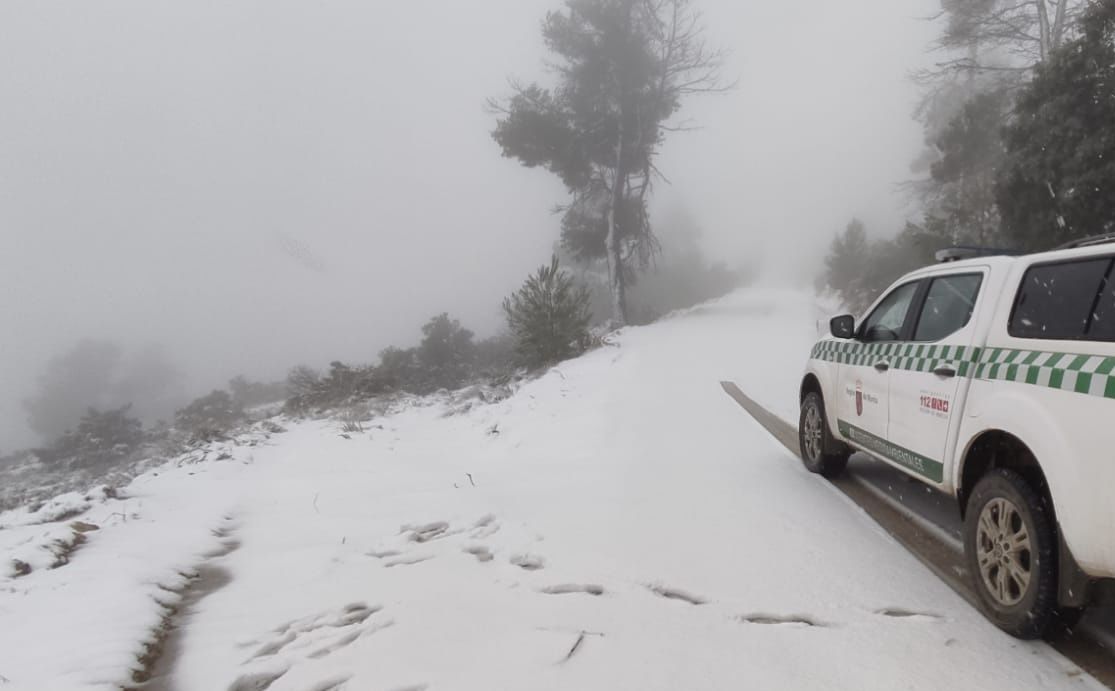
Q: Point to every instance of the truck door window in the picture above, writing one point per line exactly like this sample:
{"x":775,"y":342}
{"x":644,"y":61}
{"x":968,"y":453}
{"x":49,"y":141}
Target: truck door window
{"x":886,"y":322}
{"x":948,"y":306}
{"x":1102,"y":326}
{"x":1063,"y":301}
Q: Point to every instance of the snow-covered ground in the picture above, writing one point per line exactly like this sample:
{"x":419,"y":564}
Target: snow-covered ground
{"x":618,"y":523}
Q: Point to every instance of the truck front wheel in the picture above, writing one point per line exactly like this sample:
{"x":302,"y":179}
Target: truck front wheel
{"x":821,"y":453}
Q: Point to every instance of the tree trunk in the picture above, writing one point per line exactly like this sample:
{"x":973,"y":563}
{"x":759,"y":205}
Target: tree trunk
{"x":619,"y":192}
{"x":612,"y":242}
{"x":1044,"y":38}
{"x":1058,"y":36}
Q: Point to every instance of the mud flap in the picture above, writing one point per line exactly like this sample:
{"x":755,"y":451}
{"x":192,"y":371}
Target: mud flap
{"x":1073,"y":585}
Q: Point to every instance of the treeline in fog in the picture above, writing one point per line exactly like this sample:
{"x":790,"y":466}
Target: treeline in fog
{"x":1019,"y":122}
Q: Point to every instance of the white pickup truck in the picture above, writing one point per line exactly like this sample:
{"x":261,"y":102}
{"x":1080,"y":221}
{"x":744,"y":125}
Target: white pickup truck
{"x":991,"y":378}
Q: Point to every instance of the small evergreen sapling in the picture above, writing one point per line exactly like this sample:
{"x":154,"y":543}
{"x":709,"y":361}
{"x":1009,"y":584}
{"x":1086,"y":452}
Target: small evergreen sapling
{"x":549,"y":317}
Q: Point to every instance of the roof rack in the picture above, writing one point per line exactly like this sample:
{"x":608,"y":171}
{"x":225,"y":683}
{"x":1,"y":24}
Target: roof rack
{"x":1088,"y":241}
{"x":955,"y":254}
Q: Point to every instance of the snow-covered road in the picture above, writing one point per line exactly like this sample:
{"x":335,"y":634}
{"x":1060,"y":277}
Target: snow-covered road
{"x":616,"y":524}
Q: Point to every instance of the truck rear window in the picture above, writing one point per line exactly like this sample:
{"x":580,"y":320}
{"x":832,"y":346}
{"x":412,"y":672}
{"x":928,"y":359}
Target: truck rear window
{"x":1068,"y":301}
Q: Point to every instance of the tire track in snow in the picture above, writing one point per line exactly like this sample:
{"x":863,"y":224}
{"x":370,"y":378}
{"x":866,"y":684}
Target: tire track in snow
{"x":158,"y":664}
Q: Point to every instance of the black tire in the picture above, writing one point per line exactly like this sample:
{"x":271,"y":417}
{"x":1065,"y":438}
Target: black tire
{"x":1003,"y":510}
{"x":820,"y":451}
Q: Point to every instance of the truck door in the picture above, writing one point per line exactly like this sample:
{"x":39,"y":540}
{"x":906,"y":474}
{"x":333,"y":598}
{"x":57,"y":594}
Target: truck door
{"x":929,"y":377}
{"x":864,"y":372}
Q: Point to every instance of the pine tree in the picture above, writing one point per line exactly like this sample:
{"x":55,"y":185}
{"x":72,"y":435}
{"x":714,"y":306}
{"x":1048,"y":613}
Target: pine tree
{"x":858,"y":270}
{"x":846,"y":262}
{"x":991,"y":49}
{"x":1058,"y":180}
{"x":624,"y":68}
{"x":961,"y":195}
{"x":549,"y":316}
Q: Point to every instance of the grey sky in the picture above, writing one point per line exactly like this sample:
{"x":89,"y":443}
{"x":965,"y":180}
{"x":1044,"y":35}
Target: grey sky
{"x":258,"y":184}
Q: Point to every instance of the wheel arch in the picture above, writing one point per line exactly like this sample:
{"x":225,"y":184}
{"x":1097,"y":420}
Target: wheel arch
{"x":810,"y":384}
{"x":996,"y":448}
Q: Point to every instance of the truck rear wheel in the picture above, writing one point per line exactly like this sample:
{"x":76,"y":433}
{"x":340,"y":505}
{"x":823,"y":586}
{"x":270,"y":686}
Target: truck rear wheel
{"x":821,"y":453}
{"x":1009,"y":546}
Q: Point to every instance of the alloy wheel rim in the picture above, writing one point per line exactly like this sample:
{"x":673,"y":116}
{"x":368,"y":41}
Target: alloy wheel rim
{"x":812,"y":433}
{"x":1004,"y":552}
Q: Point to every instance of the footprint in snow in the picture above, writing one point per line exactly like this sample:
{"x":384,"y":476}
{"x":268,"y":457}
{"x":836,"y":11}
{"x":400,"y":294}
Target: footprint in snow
{"x":528,"y":562}
{"x":385,"y":554}
{"x":426,"y":532}
{"x":484,"y":528}
{"x":407,"y":561}
{"x":776,"y":620}
{"x":348,"y":638}
{"x":570,"y":588}
{"x":676,"y":594}
{"x":256,"y":681}
{"x":333,"y":684}
{"x":482,"y":553}
{"x":899,"y":613}
{"x":325,"y":632}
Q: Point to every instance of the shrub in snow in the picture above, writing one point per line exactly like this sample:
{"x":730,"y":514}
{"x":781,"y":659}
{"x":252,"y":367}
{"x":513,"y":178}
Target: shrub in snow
{"x":495,"y":356}
{"x":445,"y":359}
{"x":247,"y":394}
{"x":300,"y":385}
{"x":446,"y":355}
{"x":102,"y":439}
{"x":353,"y":419}
{"x":301,"y":381}
{"x":210,"y":417}
{"x":398,"y":368}
{"x":549,"y":317}
{"x":342,"y":386}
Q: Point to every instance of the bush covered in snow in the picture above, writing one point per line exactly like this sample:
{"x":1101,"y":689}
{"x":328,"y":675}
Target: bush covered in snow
{"x":495,"y":356}
{"x":247,"y":393}
{"x":301,"y":380}
{"x":105,"y":448}
{"x":210,"y":417}
{"x":445,"y":356}
{"x":398,"y":367}
{"x":102,"y":439}
{"x":341,"y":387}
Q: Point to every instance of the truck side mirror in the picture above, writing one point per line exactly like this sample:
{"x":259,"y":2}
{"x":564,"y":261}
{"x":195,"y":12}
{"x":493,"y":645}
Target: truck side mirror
{"x":843,"y":326}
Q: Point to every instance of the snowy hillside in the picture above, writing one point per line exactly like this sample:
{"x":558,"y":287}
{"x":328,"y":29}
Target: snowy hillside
{"x":618,"y":523}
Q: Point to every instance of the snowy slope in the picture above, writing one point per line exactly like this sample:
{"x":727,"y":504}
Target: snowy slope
{"x":617,"y":524}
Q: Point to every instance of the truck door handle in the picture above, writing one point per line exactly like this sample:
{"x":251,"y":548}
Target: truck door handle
{"x":882,"y":365}
{"x":946,"y":372}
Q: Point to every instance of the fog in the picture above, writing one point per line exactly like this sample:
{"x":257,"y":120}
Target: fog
{"x":254,"y":185}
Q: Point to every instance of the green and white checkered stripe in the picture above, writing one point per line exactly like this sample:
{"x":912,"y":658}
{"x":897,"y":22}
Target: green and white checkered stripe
{"x":914,"y":357}
{"x":1085,"y":374}
{"x":1093,"y":375}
